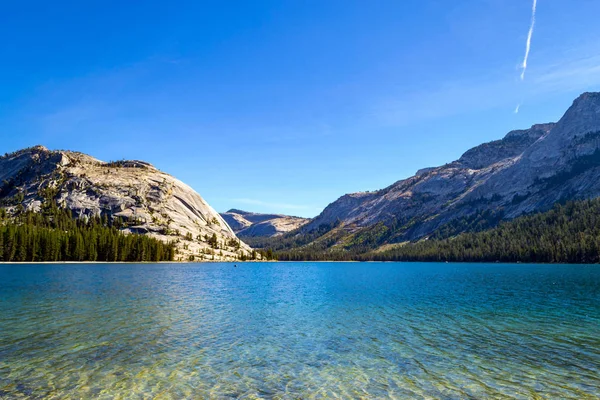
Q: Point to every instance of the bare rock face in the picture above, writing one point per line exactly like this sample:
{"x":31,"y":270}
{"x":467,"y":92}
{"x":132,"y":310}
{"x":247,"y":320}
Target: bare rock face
{"x":513,"y":144}
{"x":528,"y":170}
{"x":146,"y":200}
{"x":249,"y":224}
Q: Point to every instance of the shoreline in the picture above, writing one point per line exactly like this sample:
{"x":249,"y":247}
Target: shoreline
{"x":275,"y":261}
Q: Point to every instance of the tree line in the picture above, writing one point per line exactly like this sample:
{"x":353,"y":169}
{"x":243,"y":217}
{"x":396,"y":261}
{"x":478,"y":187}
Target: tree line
{"x":568,"y":233}
{"x":54,"y":235}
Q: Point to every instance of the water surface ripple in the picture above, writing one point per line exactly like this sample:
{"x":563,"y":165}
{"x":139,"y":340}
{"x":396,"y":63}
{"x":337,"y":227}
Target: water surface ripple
{"x":300,"y":330}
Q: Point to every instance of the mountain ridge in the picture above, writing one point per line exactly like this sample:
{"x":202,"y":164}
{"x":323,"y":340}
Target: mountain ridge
{"x":251,"y":224}
{"x":528,"y":170}
{"x":145,"y":199}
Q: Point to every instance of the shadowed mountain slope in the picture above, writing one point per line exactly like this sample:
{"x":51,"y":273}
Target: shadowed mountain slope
{"x":527,"y":171}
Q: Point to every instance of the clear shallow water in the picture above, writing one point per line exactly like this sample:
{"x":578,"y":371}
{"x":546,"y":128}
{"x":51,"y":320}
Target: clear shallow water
{"x":300,"y":330}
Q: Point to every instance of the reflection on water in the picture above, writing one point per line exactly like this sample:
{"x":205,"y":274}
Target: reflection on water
{"x":300,"y":330}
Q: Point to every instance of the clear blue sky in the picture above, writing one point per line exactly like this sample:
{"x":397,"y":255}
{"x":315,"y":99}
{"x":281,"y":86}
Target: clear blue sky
{"x":283,"y":106}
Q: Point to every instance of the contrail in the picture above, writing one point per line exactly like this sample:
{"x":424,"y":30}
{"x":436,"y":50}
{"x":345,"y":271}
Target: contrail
{"x":517,"y":108}
{"x":528,"y":44}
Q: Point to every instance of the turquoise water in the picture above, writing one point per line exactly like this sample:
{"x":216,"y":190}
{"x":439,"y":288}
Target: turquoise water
{"x":300,"y":330}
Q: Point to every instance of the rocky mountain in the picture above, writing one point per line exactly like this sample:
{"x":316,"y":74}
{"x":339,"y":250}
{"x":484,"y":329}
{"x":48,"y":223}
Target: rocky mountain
{"x":140,"y":197}
{"x":526,"y":171}
{"x":249,"y":224}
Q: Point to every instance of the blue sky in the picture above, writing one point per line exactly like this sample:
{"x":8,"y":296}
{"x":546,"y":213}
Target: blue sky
{"x":283,"y":106}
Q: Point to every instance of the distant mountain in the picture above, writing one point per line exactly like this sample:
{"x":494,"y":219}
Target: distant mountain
{"x":248,"y":224}
{"x":526,"y":171}
{"x":143,"y":199}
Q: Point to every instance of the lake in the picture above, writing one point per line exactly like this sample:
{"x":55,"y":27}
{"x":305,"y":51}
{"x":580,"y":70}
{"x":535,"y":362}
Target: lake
{"x":299,"y":330}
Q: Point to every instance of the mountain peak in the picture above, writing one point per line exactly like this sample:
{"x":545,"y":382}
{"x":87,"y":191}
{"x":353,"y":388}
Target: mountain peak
{"x":246,"y":223}
{"x":512,"y":145}
{"x":28,"y":150}
{"x":238,"y":211}
{"x":581,"y":118}
{"x":587,"y":105}
{"x":528,"y":170}
{"x":39,"y":147}
{"x":587,"y":96}
{"x":536,"y":131}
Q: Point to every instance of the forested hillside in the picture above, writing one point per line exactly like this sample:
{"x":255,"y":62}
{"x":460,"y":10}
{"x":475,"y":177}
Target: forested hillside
{"x":55,"y":236}
{"x":569,"y":233}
